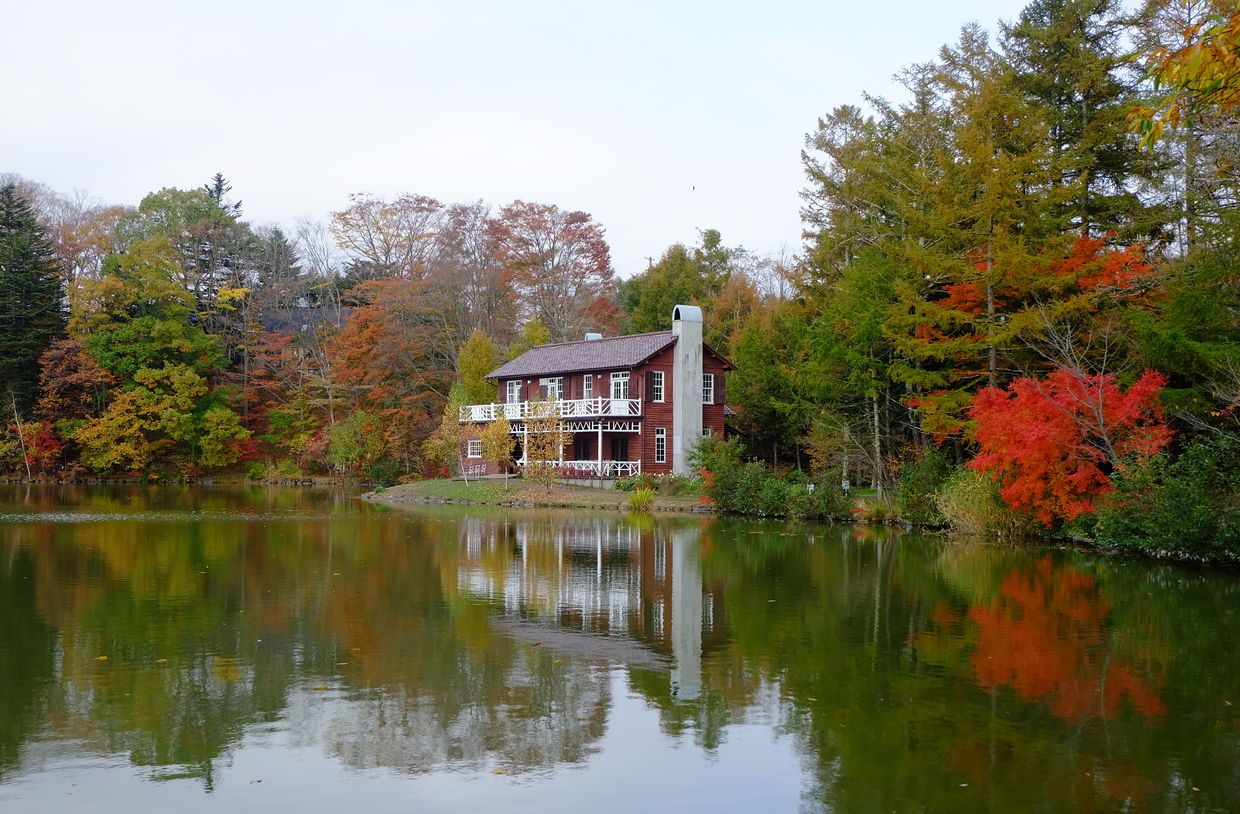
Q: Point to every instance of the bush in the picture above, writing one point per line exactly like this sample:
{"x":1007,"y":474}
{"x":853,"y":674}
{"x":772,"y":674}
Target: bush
{"x":752,"y":489}
{"x":635,"y":482}
{"x":385,"y":471}
{"x":1187,"y":508}
{"x":920,"y":480}
{"x":969,"y":501}
{"x":257,"y":470}
{"x":641,"y":500}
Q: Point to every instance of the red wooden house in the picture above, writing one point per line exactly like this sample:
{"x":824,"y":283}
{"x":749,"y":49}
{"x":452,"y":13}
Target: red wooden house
{"x":628,"y":404}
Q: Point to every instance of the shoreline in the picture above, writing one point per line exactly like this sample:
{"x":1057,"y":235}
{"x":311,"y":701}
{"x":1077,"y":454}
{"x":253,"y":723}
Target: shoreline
{"x":519,"y":495}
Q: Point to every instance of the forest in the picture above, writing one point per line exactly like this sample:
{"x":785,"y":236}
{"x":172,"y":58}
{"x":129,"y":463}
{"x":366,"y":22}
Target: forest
{"x":1017,"y":307}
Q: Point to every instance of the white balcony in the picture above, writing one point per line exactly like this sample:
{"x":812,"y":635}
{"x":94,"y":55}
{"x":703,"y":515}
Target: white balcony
{"x":564,"y":408}
{"x":597,"y":469}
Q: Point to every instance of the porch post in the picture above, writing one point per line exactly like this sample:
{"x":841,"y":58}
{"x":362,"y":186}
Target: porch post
{"x":600,"y":449}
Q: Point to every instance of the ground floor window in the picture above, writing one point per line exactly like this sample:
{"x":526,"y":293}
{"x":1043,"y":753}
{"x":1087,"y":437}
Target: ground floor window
{"x":582,"y":448}
{"x":620,"y":448}
{"x":660,"y":445}
{"x":706,"y":432}
{"x":473,"y":448}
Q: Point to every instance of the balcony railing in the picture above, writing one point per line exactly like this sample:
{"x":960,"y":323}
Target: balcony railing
{"x":564,"y":408}
{"x":596,"y":469}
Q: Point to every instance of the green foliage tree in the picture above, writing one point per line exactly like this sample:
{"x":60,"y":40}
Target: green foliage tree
{"x":477,"y":357}
{"x":31,"y":293}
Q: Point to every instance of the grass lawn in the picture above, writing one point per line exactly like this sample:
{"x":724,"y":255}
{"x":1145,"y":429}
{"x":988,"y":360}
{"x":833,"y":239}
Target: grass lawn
{"x":518,"y":492}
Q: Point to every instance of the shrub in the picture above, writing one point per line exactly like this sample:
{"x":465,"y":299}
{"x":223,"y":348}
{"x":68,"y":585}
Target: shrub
{"x":385,"y":471}
{"x":750,"y":488}
{"x":641,"y":500}
{"x":1188,"y":508}
{"x":635,"y":482}
{"x":257,"y":470}
{"x":920,"y":480}
{"x":969,"y":501}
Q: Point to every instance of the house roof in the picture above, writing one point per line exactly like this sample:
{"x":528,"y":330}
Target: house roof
{"x":611,"y":353}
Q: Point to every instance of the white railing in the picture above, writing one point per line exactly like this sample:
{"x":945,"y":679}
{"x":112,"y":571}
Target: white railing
{"x":598,"y":469}
{"x":564,"y":408}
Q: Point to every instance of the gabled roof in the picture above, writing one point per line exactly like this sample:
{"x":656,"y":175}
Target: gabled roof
{"x":612,"y":353}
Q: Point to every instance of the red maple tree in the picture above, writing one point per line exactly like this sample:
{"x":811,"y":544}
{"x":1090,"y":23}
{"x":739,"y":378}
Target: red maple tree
{"x":1051,"y":442}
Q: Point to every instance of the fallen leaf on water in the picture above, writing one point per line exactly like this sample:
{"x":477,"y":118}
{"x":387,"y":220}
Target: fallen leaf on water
{"x":1196,"y":789}
{"x":101,"y":658}
{"x":320,"y":688}
{"x":962,"y":785}
{"x":160,"y":661}
{"x":501,"y":771}
{"x":535,"y":644}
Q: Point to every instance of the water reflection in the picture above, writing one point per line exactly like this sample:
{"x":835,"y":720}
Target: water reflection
{"x":176,"y":632}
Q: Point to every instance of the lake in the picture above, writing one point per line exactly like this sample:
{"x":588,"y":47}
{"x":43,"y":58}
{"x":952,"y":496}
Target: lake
{"x":236,"y":650}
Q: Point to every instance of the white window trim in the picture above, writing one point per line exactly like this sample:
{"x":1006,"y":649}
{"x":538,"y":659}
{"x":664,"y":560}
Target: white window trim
{"x":708,"y":386}
{"x":616,"y":378}
{"x":514,"y":393}
{"x":660,"y":445}
{"x":555,"y":383}
{"x":658,"y":387}
{"x":587,"y":386}
{"x":473,"y":448}
{"x":707,"y":432}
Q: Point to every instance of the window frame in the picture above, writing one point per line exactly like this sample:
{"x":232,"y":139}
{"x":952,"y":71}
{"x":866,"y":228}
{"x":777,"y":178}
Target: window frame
{"x":617,"y":377}
{"x":658,"y":386}
{"x":510,"y":392}
{"x":708,"y":379}
{"x":472,"y":444}
{"x":587,"y":386}
{"x":558,"y":383}
{"x":660,"y":445}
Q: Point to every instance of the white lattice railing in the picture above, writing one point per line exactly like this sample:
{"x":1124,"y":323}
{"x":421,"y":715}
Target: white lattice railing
{"x":564,"y":408}
{"x":597,"y":469}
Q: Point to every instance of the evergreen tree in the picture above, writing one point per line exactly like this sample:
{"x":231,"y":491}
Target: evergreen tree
{"x":1068,"y":62}
{"x":31,"y":298}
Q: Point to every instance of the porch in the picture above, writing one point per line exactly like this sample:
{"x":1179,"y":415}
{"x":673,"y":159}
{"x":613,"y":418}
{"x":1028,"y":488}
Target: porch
{"x":564,"y":408}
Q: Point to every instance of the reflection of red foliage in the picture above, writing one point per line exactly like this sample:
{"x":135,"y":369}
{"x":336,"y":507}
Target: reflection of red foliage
{"x":1045,"y":636}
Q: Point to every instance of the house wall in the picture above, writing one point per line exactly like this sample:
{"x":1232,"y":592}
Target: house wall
{"x":654,"y":414}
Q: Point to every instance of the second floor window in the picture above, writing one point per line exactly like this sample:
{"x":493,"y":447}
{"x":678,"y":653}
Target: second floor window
{"x":555,"y":387}
{"x":587,"y":386}
{"x":514,"y":392}
{"x":708,"y":388}
{"x":620,"y":385}
{"x":656,"y":386}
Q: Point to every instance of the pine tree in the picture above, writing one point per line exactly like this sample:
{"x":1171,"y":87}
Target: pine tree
{"x":31,"y":298}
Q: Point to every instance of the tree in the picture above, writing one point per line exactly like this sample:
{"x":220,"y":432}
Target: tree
{"x":384,"y":239}
{"x":533,"y":334}
{"x":545,"y":437}
{"x":72,"y":385}
{"x":477,"y":357}
{"x":152,"y":422}
{"x":560,"y":264}
{"x":498,"y":444}
{"x":31,"y":293}
{"x":1050,"y":443}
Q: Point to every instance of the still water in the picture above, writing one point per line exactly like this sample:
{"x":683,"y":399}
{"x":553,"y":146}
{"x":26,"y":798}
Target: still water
{"x":233,"y":650}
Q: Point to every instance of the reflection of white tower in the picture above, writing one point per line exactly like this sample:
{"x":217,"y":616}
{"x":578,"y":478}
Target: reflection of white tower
{"x":686,"y":614}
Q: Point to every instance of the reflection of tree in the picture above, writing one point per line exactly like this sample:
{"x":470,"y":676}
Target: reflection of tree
{"x":25,"y":659}
{"x":1045,"y":636}
{"x":184,"y":617}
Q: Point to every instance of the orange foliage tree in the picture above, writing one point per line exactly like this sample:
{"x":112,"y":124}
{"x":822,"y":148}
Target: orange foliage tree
{"x":1051,"y":442}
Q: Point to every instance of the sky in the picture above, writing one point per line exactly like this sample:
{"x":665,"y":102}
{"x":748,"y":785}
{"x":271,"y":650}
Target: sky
{"x":658,"y":118}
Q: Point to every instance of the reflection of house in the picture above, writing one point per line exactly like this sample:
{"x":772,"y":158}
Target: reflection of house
{"x":595,"y":577}
{"x":628,"y":404}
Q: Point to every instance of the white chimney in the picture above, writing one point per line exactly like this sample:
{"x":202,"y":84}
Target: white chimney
{"x":686,"y":384}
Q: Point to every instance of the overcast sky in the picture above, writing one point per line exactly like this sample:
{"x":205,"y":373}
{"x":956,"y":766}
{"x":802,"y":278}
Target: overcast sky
{"x":659,"y":118}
